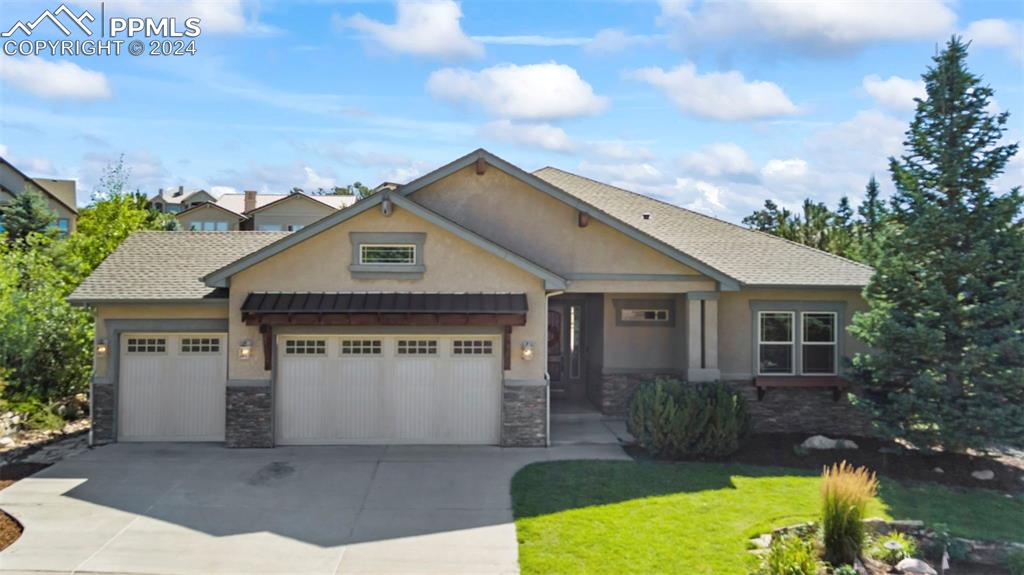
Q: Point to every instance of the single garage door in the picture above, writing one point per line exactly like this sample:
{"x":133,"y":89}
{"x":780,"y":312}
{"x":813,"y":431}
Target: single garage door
{"x":172,"y":387}
{"x":389,"y":389}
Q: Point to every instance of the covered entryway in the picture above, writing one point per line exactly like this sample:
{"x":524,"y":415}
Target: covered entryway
{"x":172,"y":386}
{"x":413,"y":389}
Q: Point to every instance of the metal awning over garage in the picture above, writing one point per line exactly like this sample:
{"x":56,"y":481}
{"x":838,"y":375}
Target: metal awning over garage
{"x":384,"y":308}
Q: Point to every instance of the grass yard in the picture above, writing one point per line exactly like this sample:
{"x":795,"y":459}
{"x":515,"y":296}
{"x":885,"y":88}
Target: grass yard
{"x":646,"y":517}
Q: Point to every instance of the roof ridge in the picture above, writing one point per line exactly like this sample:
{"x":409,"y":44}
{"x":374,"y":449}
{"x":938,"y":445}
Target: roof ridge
{"x":718,"y":220}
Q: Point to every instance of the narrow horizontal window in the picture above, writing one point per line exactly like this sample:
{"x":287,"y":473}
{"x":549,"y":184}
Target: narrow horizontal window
{"x":360,"y":347}
{"x":775,"y":343}
{"x":472,"y":347}
{"x":200,"y":345}
{"x":393,"y":254}
{"x":305,"y":347}
{"x":147,"y":345}
{"x":645,"y":315}
{"x":417,"y":347}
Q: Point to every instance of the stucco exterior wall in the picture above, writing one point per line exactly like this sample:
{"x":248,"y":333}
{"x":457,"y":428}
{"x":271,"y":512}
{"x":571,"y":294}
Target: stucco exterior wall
{"x":104,"y":312}
{"x":452,"y":265}
{"x":735,"y":322}
{"x":539,"y":227}
{"x":207,"y":214}
{"x":298,"y":211}
{"x":629,"y":348}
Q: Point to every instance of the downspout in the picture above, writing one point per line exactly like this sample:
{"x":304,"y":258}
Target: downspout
{"x":547,"y":376}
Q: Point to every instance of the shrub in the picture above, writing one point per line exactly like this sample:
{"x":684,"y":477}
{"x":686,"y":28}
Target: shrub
{"x":893,"y":548}
{"x":791,"y":556}
{"x":846,"y":492}
{"x":845,"y":569}
{"x":671,"y":418}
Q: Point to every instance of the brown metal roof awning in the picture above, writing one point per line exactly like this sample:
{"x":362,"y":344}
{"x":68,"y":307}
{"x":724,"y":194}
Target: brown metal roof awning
{"x":384,"y":308}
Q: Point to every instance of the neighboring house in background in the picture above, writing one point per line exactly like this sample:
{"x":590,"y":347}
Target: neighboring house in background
{"x":461,"y":308}
{"x":59,"y":194}
{"x":255,"y":211}
{"x":177,"y":200}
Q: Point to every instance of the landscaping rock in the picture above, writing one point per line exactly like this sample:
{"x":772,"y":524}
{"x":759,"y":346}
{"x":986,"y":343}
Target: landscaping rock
{"x":5,"y":441}
{"x":984,"y":475}
{"x":818,"y":442}
{"x":846,"y":444}
{"x":938,"y":470}
{"x":762,"y":541}
{"x":915,"y":567}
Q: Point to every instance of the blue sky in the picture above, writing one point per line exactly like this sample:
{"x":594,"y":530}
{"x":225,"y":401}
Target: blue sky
{"x":713,"y":106}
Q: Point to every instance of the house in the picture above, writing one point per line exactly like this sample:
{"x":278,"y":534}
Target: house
{"x":460,"y":308}
{"x":198,"y":211}
{"x":59,"y":194}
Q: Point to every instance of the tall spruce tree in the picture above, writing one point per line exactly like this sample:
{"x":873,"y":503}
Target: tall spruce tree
{"x":946,"y":316}
{"x":27,"y":213}
{"x":873,"y":213}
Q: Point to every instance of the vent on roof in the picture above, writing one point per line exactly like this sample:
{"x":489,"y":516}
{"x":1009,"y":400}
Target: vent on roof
{"x":646,"y":215}
{"x":181,"y":190}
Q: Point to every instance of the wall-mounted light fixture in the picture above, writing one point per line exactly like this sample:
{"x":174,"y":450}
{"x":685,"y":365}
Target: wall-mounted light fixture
{"x":526,"y":350}
{"x":245,"y":350}
{"x":101,"y":347}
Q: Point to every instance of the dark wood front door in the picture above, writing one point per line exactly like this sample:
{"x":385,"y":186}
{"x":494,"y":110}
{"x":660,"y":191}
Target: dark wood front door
{"x":566,"y":361}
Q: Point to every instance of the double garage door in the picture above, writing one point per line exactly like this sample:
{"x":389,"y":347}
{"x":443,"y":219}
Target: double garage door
{"x":329,"y":389}
{"x":388,"y":389}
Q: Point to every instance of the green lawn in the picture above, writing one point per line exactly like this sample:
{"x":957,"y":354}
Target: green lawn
{"x":629,"y":517}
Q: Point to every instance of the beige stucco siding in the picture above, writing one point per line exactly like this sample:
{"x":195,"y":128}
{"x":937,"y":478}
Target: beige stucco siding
{"x":296,"y":211}
{"x":104,"y":312}
{"x":321,"y":263}
{"x":539,"y":227}
{"x":735,"y":323}
{"x":207,"y":214}
{"x":642,"y":348}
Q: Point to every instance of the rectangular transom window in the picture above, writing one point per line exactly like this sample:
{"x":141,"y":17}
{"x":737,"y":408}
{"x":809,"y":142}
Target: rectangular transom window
{"x":417,"y":347}
{"x":646,"y":315}
{"x":775,"y":342}
{"x":305,"y":346}
{"x":391,"y":254}
{"x":200,"y":345}
{"x":818,"y":347}
{"x":360,"y":347}
{"x":147,"y":345}
{"x":472,"y":347}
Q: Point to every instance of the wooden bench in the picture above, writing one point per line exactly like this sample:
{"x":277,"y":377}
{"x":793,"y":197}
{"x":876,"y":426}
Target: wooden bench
{"x":834,"y":382}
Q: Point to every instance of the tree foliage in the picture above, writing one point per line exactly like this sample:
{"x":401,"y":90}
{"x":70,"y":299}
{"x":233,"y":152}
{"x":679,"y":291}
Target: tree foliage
{"x":27,"y":214}
{"x":946,"y":316}
{"x":357,"y":189}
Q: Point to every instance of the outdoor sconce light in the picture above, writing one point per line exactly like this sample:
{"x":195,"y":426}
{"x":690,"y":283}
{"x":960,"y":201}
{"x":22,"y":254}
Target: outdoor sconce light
{"x":527,"y":350}
{"x":245,"y":350}
{"x":101,"y":347}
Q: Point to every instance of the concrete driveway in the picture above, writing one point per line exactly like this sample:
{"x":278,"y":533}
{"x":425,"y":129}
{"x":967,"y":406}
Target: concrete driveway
{"x":180,"y":508}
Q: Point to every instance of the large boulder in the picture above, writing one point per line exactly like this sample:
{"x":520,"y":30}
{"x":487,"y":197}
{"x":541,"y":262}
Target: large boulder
{"x":818,"y":442}
{"x":915,"y":567}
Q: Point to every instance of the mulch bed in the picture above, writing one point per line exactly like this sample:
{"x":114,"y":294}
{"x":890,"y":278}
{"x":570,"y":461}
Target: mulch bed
{"x":777,"y":449}
{"x":10,"y":529}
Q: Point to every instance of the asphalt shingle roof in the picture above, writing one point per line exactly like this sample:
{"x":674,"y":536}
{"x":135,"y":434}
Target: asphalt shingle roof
{"x":751,"y":257}
{"x":150,"y":266}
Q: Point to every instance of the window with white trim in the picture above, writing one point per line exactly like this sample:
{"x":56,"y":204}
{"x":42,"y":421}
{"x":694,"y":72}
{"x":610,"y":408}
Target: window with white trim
{"x":818,"y":345}
{"x":147,"y":345}
{"x":388,"y":254}
{"x":305,"y":347}
{"x":472,"y":347}
{"x":417,"y":347}
{"x":360,"y":347}
{"x":776,"y":346}
{"x":208,"y":226}
{"x":645,"y":315}
{"x":200,"y":345}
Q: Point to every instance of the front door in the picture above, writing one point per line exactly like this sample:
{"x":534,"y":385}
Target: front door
{"x":566,"y":364}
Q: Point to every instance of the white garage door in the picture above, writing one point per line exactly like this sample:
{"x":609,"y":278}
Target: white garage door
{"x":172,"y":386}
{"x":388,"y":389}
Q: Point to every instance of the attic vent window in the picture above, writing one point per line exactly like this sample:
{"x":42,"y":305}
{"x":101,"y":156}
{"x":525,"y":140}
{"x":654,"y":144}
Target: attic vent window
{"x":646,"y":215}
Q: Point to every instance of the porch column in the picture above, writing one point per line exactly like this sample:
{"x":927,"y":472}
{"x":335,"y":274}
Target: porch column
{"x":702,"y":336}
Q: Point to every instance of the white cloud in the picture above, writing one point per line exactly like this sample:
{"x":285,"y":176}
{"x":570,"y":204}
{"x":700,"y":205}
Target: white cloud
{"x":3,"y":150}
{"x":611,"y":40}
{"x":722,"y":159}
{"x":533,"y":40}
{"x":619,"y":150}
{"x":54,"y":79}
{"x":641,"y":172}
{"x":315,"y":181}
{"x":221,"y":190}
{"x":894,"y":92}
{"x":422,"y":28}
{"x":863,"y":142}
{"x":540,"y":135}
{"x":791,"y":169}
{"x":816,"y":26}
{"x":718,"y":95}
{"x":403,"y":174}
{"x":219,"y":17}
{"x":533,"y":91}
{"x":996,"y":33}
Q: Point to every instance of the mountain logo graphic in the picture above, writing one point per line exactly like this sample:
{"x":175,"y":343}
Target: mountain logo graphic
{"x":28,"y":28}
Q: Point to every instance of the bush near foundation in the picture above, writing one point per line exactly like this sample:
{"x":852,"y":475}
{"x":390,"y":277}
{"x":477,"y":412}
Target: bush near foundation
{"x":676,"y":419}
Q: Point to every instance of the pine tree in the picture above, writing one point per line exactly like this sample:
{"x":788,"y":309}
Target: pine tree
{"x":27,"y":213}
{"x":946,"y":316}
{"x":873,"y":213}
{"x":841,"y":241}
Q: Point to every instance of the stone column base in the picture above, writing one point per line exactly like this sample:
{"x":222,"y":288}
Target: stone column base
{"x":249,"y":418}
{"x":524,"y":414}
{"x":102,"y":413}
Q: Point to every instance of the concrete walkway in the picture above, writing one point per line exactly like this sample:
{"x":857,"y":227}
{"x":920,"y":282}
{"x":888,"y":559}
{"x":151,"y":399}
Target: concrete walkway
{"x":200,"y":508}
